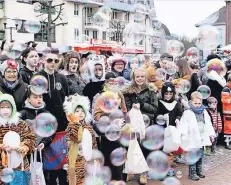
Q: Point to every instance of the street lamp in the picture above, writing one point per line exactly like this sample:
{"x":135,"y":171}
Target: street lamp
{"x":17,"y":22}
{"x":116,"y":33}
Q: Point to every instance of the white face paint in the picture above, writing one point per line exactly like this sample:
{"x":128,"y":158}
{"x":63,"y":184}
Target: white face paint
{"x":5,"y":112}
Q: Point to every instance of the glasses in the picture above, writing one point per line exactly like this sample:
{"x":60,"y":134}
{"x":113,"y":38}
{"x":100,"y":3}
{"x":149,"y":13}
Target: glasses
{"x":49,"y":60}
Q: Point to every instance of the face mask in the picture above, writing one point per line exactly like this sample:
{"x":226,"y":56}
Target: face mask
{"x":5,"y":112}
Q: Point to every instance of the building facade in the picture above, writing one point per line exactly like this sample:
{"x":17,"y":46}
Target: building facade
{"x":80,"y":30}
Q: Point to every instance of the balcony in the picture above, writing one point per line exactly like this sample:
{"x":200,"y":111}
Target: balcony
{"x":89,"y":2}
{"x":91,"y":24}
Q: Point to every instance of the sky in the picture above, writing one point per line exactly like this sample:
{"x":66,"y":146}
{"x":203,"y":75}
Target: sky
{"x":180,"y":16}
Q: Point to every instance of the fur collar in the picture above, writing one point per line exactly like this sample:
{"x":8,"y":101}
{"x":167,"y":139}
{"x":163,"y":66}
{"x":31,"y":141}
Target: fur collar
{"x":8,"y":122}
{"x":132,"y":89}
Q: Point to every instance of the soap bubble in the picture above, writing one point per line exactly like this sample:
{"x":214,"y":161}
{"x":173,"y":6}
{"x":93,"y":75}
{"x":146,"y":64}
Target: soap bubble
{"x":118,"y":156}
{"x":126,"y":135}
{"x":161,"y":74}
{"x":108,"y":101}
{"x":152,"y":14}
{"x":7,"y":175}
{"x":139,"y":12}
{"x":193,"y":54}
{"x":103,"y":123}
{"x":179,"y":174}
{"x":192,"y":156}
{"x":105,"y":13}
{"x":160,"y":120}
{"x":205,"y":91}
{"x":171,"y":181}
{"x":15,"y":51}
{"x":183,"y":86}
{"x":146,"y":120}
{"x":46,"y":125}
{"x":113,"y":132}
{"x":133,"y":33}
{"x":39,"y":84}
{"x":154,"y":137}
{"x":175,"y":47}
{"x":158,"y":164}
{"x":32,"y":26}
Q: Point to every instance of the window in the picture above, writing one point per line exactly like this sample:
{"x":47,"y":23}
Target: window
{"x":104,"y":35}
{"x":22,"y":29}
{"x":86,"y":32}
{"x":95,"y":34}
{"x":1,"y":5}
{"x":44,"y":10}
{"x":76,"y":9}
{"x":127,"y":17}
{"x":76,"y":33}
{"x":42,"y":35}
{"x":114,"y":15}
{"x":25,"y":1}
{"x":89,"y":11}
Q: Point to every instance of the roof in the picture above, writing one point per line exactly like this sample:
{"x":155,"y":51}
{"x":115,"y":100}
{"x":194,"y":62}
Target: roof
{"x":216,"y":18}
{"x":166,"y":30}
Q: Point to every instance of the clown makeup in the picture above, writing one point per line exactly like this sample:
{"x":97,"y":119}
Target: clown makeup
{"x":80,"y":113}
{"x":168,"y":96}
{"x":5,"y":109}
{"x":73,"y":65}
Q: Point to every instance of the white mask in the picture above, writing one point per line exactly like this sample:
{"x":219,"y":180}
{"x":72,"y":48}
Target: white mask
{"x":5,"y":112}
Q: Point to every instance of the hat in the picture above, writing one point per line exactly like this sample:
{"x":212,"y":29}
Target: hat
{"x":9,"y":63}
{"x":211,"y":99}
{"x":215,"y":65}
{"x":168,"y":87}
{"x":110,"y":75}
{"x":116,"y":58}
{"x":72,"y":102}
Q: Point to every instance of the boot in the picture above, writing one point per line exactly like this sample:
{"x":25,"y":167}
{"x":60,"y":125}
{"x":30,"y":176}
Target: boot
{"x":192,"y":173}
{"x":213,"y":148}
{"x":228,"y":147}
{"x":199,"y":168}
{"x":143,"y":179}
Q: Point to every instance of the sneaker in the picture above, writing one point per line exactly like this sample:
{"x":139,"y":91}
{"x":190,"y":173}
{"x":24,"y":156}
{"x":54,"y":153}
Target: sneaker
{"x":180,"y":160}
{"x":171,"y":172}
{"x":143,"y":179}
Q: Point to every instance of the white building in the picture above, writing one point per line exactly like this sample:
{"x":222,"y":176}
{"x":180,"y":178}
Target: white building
{"x":78,"y":14}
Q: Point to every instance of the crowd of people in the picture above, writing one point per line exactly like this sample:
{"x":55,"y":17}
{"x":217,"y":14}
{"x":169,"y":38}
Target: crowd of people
{"x":76,"y":83}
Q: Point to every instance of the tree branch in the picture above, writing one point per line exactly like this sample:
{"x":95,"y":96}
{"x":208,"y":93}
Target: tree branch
{"x":64,"y":23}
{"x":56,"y":18}
{"x":58,"y":5}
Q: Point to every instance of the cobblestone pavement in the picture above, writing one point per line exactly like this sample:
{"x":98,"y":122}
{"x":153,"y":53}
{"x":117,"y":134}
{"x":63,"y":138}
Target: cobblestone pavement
{"x":217,"y":169}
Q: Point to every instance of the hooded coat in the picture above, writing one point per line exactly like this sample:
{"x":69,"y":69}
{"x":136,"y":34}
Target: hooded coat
{"x":13,"y":123}
{"x":18,"y":91}
{"x":26,"y":74}
{"x":54,"y":99}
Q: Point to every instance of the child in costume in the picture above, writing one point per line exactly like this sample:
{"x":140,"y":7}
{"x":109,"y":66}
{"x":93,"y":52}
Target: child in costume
{"x":10,"y":121}
{"x":196,"y":132}
{"x":77,"y":109}
{"x":215,"y":117}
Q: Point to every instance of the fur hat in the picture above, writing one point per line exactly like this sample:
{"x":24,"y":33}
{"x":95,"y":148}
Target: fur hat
{"x":9,"y":63}
{"x":72,"y":102}
{"x":113,"y":59}
{"x":68,"y":56}
{"x":211,"y":99}
{"x":10,"y":99}
{"x":168,"y":87}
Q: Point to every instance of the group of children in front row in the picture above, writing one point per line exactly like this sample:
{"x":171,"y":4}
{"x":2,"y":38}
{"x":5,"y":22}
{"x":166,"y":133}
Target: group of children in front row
{"x":198,"y":126}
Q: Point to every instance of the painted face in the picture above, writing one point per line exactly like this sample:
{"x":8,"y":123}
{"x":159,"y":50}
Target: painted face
{"x":119,"y":66}
{"x":168,"y":96}
{"x":32,"y":59}
{"x":50,"y":62}
{"x":196,"y":102}
{"x":73,"y":65}
{"x":140,"y":78}
{"x":80,"y":114}
{"x":35,"y":100}
{"x":5,"y":109}
{"x":98,"y":70}
{"x":11,"y":75}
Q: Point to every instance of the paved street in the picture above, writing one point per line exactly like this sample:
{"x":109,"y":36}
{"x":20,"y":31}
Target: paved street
{"x":217,"y":168}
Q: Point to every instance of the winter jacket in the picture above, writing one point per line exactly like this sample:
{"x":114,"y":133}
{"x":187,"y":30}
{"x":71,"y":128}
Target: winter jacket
{"x":195,"y":83}
{"x":226,"y":99}
{"x":18,"y":92}
{"x":147,"y":99}
{"x":54,"y":99}
{"x":92,"y":88}
{"x":190,"y":134}
{"x":202,"y":74}
{"x":29,"y":112}
{"x":75,"y":83}
{"x":174,"y":109}
{"x":26,"y":74}
{"x":125,"y":73}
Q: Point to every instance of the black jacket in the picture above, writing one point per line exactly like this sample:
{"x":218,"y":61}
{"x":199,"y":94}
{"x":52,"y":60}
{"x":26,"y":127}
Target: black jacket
{"x":30,"y":113}
{"x":18,"y":92}
{"x":174,"y":114}
{"x":147,"y":99}
{"x":26,"y":74}
{"x":54,"y":99}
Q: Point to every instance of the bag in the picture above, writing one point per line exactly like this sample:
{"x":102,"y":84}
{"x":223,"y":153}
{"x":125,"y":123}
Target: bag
{"x":135,"y":163}
{"x":55,"y":156}
{"x":36,"y":169}
{"x":172,"y":139}
{"x":21,"y":177}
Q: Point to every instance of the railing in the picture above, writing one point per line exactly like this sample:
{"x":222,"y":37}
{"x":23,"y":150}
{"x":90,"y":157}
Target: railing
{"x":89,"y":21}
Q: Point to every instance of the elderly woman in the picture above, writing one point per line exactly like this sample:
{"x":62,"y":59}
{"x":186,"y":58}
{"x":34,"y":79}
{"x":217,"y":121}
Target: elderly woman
{"x":11,"y":82}
{"x":71,"y":71}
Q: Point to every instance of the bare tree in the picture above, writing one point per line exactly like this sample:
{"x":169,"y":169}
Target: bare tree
{"x":188,"y":43}
{"x":47,"y":6}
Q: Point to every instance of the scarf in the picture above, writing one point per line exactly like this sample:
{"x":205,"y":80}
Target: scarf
{"x":10,"y":85}
{"x":197,"y":110}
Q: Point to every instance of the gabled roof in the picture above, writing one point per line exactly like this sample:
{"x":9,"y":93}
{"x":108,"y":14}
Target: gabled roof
{"x":216,"y":18}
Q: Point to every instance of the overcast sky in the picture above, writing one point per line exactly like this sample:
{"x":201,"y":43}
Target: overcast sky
{"x":180,"y":16}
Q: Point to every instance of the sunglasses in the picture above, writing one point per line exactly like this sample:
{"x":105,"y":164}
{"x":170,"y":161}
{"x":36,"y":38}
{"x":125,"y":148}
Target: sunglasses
{"x":49,"y":60}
